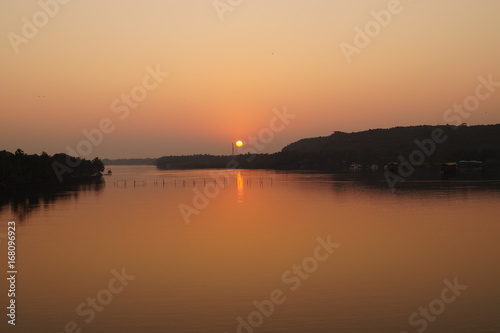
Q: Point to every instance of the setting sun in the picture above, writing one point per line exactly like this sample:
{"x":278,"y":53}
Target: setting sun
{"x":239,"y":143}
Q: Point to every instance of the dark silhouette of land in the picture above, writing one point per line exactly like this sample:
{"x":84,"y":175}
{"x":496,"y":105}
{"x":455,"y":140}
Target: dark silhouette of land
{"x":22,"y":169}
{"x":335,"y":152}
{"x":377,"y":146}
{"x":381,"y":146}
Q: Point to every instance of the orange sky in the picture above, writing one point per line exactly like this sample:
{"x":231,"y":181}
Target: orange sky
{"x":225,"y":77}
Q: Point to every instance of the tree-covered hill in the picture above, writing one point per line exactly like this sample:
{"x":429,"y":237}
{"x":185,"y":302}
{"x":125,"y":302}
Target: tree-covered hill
{"x":384,"y":145}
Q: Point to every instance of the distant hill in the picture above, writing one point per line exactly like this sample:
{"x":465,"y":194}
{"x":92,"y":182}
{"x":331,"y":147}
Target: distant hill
{"x":129,"y":161}
{"x":193,"y":162}
{"x":384,"y":145}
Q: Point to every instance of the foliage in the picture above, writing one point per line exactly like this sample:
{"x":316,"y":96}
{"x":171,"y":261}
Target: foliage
{"x":21,"y":168}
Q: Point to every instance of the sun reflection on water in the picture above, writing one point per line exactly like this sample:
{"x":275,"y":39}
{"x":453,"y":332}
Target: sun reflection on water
{"x":240,"y":187}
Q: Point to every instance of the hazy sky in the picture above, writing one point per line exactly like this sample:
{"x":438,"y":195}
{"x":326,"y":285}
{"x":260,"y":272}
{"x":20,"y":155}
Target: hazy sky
{"x":229,"y":66}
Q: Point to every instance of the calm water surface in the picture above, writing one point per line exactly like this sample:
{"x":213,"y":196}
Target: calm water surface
{"x":256,"y":238}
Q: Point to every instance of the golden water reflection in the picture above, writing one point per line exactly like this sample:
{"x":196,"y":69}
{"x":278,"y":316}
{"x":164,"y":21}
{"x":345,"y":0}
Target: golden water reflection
{"x":240,"y":185}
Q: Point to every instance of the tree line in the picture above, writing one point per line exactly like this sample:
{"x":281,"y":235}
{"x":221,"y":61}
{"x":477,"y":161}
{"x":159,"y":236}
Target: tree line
{"x":22,"y":168}
{"x":376,"y":146}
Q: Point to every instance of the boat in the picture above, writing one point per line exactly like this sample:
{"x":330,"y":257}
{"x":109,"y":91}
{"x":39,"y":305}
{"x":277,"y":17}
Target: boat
{"x":109,"y":173}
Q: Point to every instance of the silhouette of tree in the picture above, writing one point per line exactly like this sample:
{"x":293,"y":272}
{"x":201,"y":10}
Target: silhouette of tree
{"x":20,"y":168}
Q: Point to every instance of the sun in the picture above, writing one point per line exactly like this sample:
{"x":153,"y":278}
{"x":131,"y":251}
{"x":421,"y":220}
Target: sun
{"x":239,"y":143}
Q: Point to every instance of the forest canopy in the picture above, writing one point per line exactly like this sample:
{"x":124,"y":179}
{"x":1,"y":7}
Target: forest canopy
{"x":21,"y":168}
